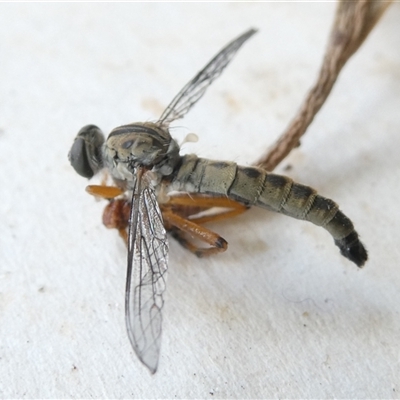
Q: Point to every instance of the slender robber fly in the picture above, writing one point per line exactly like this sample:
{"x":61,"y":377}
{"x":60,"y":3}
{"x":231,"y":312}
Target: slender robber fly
{"x":158,"y":190}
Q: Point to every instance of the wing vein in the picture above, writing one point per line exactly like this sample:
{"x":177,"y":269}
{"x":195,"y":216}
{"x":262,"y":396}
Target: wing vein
{"x":195,"y":88}
{"x":146,"y":272}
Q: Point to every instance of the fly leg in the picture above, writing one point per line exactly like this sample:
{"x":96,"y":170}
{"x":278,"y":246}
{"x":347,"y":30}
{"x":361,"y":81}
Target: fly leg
{"x":180,"y":208}
{"x":103,"y":191}
{"x":179,"y":226}
{"x":116,"y":213}
{"x":187,"y":205}
{"x":176,"y":213}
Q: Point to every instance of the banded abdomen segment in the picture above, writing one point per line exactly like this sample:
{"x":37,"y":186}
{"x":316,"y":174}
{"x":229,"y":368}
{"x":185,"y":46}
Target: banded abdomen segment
{"x":255,"y":186}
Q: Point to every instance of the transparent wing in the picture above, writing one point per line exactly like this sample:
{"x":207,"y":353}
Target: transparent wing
{"x":194,"y":89}
{"x":145,"y":282}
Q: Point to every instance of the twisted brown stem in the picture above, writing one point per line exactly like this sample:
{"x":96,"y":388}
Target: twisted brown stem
{"x":353,"y":22}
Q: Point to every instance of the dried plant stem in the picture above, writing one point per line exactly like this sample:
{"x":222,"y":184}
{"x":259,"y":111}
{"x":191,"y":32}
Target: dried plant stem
{"x":353,"y":22}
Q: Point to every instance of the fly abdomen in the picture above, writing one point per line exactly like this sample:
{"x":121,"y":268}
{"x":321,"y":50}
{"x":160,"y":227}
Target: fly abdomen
{"x":255,"y":186}
{"x":281,"y":194}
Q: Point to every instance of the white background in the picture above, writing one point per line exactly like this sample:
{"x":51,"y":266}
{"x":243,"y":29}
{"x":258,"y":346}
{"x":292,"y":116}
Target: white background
{"x":281,"y":313}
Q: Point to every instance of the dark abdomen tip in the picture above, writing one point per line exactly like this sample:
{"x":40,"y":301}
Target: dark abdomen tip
{"x":353,"y":249}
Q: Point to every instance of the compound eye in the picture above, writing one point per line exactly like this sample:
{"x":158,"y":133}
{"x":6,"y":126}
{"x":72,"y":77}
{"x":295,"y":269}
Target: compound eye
{"x":85,"y":153}
{"x":79,"y":159}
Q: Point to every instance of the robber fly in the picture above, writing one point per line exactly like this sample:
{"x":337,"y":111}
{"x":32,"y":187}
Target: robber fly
{"x":146,"y":166}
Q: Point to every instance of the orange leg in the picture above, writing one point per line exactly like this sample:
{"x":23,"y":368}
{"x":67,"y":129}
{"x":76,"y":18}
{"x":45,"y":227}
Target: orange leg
{"x":116,"y":216}
{"x":176,"y":213}
{"x":203,"y":200}
{"x":187,"y":205}
{"x":106,"y":192}
{"x":178,"y":226}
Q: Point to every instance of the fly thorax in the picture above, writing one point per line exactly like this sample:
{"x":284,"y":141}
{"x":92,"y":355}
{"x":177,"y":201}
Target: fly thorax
{"x":136,"y":145}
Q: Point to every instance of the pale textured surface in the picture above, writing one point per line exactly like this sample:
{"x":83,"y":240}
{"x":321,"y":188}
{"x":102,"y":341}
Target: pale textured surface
{"x":281,"y":314}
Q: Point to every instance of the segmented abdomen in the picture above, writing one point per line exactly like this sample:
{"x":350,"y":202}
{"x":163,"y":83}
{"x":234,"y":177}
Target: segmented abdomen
{"x":257,"y":187}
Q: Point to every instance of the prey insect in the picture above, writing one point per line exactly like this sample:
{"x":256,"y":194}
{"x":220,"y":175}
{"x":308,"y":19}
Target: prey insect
{"x":145,"y":164}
